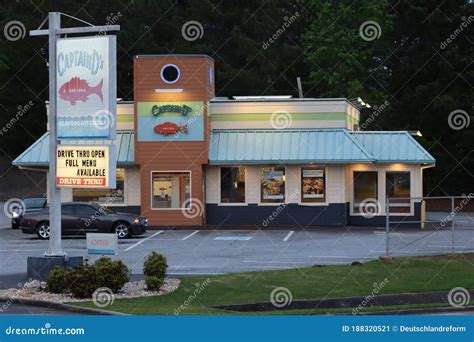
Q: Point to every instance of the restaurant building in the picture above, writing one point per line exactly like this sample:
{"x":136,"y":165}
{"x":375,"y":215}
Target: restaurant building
{"x":185,"y":157}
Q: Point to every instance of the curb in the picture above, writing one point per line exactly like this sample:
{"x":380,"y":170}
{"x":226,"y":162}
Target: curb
{"x":62,"y":307}
{"x":433,"y":310}
{"x":393,"y":299}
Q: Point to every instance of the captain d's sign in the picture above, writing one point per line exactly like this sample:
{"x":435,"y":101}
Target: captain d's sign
{"x":170,"y":121}
{"x":86,"y":88}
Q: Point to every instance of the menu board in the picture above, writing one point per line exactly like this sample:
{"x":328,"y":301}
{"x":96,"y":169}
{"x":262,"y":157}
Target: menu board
{"x":312,"y":184}
{"x":273,"y":185}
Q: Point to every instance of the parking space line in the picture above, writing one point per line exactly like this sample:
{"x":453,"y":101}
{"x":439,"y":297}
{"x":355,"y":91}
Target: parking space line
{"x":188,"y":236}
{"x":142,"y":241}
{"x":291,"y":232}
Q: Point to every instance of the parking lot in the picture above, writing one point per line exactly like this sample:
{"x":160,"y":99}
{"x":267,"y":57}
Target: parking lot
{"x":223,"y":251}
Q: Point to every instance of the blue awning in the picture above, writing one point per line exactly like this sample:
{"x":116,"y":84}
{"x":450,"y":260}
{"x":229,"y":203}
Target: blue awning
{"x":302,"y":146}
{"x":289,"y":146}
{"x":38,"y":153}
{"x":393,"y":147}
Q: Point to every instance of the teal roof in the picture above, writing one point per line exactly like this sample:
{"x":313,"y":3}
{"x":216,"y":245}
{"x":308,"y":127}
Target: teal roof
{"x":393,"y":147}
{"x":300,"y":146}
{"x":38,"y":153}
{"x":253,"y":146}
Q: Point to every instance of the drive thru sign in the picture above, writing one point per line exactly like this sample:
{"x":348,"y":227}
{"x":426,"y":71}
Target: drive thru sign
{"x":85,"y":166}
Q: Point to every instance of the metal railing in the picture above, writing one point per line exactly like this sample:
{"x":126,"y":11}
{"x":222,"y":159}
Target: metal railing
{"x":448,"y":221}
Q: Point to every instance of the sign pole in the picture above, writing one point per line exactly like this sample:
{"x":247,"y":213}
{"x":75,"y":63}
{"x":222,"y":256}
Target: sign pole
{"x":54,"y":32}
{"x":55,"y":248}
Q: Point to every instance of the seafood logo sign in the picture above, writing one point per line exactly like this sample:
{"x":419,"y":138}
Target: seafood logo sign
{"x":85,"y":166}
{"x":86,"y":82}
{"x":170,"y":121}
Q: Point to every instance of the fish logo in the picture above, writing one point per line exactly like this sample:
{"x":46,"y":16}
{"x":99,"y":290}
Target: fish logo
{"x":168,"y":128}
{"x":77,"y":89}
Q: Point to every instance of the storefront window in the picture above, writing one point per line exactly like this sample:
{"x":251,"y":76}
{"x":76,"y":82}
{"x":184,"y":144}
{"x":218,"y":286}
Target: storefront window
{"x":365,"y":189}
{"x":233,"y":184}
{"x":313,"y":187}
{"x":103,"y":196}
{"x":171,"y":190}
{"x":398,"y":190}
{"x":272,"y":184}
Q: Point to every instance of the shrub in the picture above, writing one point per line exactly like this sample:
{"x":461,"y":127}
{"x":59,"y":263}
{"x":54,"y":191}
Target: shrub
{"x":56,"y":282}
{"x":155,"y":266}
{"x":153,"y":283}
{"x":111,"y":274}
{"x":83,"y":280}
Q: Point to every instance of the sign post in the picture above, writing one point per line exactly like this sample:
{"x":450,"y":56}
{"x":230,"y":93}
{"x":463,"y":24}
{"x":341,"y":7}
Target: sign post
{"x":54,"y":32}
{"x":55,"y":249}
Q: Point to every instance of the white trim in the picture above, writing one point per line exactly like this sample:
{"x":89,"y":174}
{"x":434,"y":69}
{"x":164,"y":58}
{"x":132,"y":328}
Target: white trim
{"x":232,"y":204}
{"x":314,"y":204}
{"x":269,"y":204}
{"x":171,"y":171}
{"x":170,"y":65}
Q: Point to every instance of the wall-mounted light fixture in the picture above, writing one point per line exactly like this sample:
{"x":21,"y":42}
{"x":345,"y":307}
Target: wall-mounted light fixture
{"x":168,"y":90}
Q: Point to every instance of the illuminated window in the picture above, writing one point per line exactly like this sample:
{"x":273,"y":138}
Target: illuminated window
{"x":104,"y":196}
{"x":313,"y":185}
{"x":365,"y":189}
{"x":233,"y":184}
{"x":272,"y":184}
{"x":398,"y":190}
{"x":171,"y":190}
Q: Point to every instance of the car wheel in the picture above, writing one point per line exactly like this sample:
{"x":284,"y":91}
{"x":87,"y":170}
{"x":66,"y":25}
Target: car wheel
{"x":122,"y":230}
{"x":43,"y":230}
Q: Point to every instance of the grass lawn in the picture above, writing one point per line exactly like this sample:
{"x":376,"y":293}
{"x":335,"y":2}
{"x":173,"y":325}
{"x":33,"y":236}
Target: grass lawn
{"x":414,"y":274}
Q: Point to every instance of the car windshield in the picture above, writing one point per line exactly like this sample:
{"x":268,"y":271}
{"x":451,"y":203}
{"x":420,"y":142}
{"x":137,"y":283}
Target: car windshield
{"x":102,"y":209}
{"x":34,"y":202}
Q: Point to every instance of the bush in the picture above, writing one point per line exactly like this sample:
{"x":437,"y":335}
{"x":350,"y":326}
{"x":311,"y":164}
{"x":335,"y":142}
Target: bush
{"x":155,"y":266}
{"x":153,"y":283}
{"x":56,"y":282}
{"x":83,"y":280}
{"x":111,"y":274}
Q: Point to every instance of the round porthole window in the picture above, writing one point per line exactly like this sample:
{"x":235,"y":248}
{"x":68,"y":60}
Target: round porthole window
{"x":170,"y":73}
